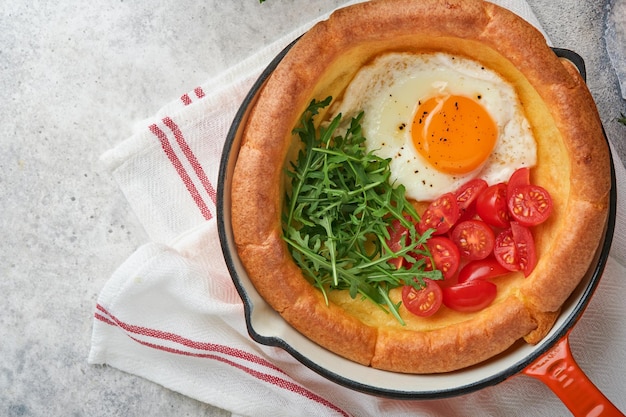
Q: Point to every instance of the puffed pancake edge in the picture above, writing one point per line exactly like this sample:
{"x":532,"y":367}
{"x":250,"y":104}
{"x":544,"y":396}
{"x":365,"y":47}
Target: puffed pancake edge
{"x":573,"y":163}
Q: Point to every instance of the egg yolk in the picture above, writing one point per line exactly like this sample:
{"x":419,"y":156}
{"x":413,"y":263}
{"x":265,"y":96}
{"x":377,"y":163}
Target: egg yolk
{"x":454,"y":133}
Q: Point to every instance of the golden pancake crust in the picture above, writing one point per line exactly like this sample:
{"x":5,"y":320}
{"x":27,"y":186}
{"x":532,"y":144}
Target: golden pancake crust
{"x":573,"y":164}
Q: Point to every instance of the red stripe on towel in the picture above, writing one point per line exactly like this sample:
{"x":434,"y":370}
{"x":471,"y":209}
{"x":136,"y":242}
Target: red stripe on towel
{"x":199,"y":92}
{"x":157,"y":334}
{"x":185,"y":99}
{"x":104,"y":319}
{"x":271,"y":379}
{"x":211,"y":347}
{"x":182,"y":173}
{"x":191,"y":157}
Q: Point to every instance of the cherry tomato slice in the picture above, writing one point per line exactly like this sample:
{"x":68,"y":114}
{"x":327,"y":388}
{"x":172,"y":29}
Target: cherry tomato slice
{"x":467,"y":194}
{"x":398,"y":236}
{"x":481,"y":269}
{"x":530,"y":204}
{"x":474,"y":238}
{"x":520,"y":177}
{"x":440,"y":215}
{"x":491,"y":205}
{"x":525,"y":246}
{"x":505,"y":250}
{"x":445,"y":254}
{"x":470,"y":296}
{"x":424,"y":302}
{"x":515,"y":249}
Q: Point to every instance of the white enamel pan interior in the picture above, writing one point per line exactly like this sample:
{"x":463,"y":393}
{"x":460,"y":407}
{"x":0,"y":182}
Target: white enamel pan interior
{"x":267,"y":327}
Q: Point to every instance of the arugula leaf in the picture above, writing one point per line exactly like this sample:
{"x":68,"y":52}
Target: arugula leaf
{"x":622,"y":119}
{"x":338,"y":212}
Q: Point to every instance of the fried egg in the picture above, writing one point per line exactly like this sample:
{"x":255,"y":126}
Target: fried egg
{"x":441,"y":119}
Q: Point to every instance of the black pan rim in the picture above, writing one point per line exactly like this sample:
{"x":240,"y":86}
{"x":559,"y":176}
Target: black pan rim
{"x":596,"y":271}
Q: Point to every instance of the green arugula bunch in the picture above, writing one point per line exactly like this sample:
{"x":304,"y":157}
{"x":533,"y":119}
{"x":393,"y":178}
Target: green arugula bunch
{"x":339,"y":211}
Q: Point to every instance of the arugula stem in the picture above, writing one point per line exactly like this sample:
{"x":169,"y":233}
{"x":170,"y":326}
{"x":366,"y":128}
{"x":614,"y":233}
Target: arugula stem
{"x":339,"y":210}
{"x":392,"y":307}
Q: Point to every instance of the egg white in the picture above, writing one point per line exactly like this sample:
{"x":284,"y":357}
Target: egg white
{"x":389,"y":90}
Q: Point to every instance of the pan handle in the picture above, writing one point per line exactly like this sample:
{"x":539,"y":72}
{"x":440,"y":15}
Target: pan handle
{"x":559,"y":371}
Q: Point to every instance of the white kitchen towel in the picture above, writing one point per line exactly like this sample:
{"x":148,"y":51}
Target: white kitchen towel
{"x":171,"y":314}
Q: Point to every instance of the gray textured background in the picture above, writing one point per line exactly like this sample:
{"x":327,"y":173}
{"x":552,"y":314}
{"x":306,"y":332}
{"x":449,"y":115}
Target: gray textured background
{"x":74,"y":78}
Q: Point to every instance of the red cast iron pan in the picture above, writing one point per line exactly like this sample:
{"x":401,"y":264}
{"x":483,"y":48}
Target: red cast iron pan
{"x":550,"y":361}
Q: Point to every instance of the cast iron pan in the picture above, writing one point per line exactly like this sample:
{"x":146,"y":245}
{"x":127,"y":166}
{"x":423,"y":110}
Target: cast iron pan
{"x":550,"y":361}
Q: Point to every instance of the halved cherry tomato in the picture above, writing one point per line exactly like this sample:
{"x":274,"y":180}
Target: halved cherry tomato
{"x":520,"y":177}
{"x":424,"y":302}
{"x":530,"y":204}
{"x":525,"y":245}
{"x":398,"y":237}
{"x":470,"y":296}
{"x":491,"y":205}
{"x":474,"y":238}
{"x":505,"y":250}
{"x":440,"y":215}
{"x":467,"y":194}
{"x":481,"y":269}
{"x":515,"y":249}
{"x":445,"y":254}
